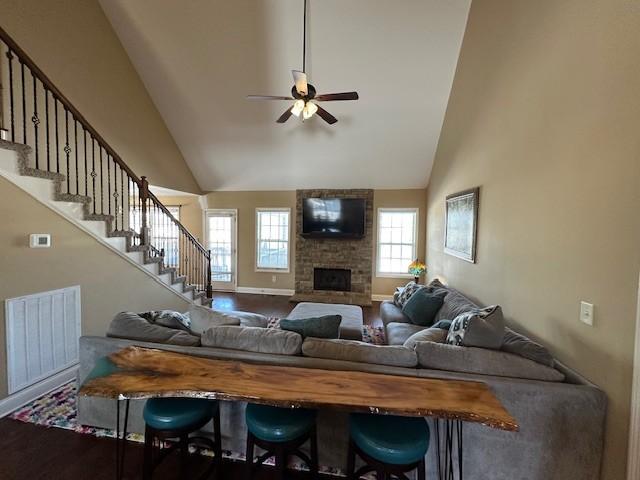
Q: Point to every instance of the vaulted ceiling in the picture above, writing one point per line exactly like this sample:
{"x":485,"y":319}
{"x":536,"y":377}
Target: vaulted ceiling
{"x":199,"y":59}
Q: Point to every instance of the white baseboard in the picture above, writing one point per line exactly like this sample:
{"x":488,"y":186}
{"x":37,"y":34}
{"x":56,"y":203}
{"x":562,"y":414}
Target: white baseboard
{"x":265,"y":291}
{"x":18,"y":399}
{"x":380,"y":298}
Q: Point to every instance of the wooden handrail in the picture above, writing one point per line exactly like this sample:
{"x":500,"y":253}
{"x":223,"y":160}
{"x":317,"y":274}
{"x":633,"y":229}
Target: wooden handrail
{"x":48,"y":84}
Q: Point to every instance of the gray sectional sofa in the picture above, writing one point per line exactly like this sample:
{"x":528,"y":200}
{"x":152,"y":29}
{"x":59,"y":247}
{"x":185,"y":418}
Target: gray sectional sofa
{"x":561,"y":415}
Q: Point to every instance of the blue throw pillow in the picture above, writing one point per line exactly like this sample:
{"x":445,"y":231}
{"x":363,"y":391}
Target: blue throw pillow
{"x":327,"y":326}
{"x":422,"y":307}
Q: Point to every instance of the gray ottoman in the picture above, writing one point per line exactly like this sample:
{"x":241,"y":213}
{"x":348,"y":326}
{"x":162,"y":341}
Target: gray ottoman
{"x":351,"y":325}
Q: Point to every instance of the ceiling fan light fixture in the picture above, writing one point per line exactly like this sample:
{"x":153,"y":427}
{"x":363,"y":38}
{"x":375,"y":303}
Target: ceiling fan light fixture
{"x":309,"y":109}
{"x":298,"y":107}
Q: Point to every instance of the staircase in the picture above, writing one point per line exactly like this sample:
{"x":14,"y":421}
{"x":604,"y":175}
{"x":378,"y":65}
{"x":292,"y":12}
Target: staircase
{"x":50,"y":150}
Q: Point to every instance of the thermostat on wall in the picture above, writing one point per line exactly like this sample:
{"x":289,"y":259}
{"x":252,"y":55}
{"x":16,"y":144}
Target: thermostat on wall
{"x":39,"y":240}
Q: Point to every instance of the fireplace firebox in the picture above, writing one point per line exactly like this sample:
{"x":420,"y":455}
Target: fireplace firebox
{"x":334,"y":279}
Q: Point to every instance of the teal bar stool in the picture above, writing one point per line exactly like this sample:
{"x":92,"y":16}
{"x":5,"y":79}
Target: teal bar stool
{"x":388,"y":445}
{"x":177,"y":418}
{"x":280,"y":432}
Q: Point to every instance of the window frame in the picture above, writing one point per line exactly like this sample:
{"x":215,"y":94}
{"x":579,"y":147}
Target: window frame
{"x":257,"y":240}
{"x":416,"y":213}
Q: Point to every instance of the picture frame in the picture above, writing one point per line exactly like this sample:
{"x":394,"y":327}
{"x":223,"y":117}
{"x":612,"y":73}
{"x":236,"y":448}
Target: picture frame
{"x":461,"y":224}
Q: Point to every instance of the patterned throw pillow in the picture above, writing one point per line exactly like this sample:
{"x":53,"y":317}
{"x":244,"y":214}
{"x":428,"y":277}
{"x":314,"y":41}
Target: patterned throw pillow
{"x":409,"y":289}
{"x":482,"y":327}
{"x":168,"y":318}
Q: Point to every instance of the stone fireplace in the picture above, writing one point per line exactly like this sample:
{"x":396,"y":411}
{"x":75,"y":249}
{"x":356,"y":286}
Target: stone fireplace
{"x":334,"y":270}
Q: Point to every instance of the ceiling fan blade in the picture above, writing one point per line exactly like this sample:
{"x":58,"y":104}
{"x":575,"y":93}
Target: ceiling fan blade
{"x":328,"y":97}
{"x":326,"y":116}
{"x":300,"y":79}
{"x":285,"y":116}
{"x":268,"y":97}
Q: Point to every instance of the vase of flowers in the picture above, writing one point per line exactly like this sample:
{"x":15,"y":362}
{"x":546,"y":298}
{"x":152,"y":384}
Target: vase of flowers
{"x":417,"y":268}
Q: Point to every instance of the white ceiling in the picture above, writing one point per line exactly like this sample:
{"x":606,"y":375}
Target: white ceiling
{"x":200,"y":58}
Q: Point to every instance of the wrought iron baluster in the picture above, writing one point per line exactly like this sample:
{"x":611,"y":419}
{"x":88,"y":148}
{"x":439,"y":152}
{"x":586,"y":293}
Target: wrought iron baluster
{"x":67,"y":148}
{"x":55,"y":103}
{"x":11,"y":99}
{"x":109,"y":184}
{"x":115,"y":197}
{"x":86,"y":173}
{"x":75,"y":143}
{"x":24,"y":105}
{"x":93,"y":172}
{"x":35,"y":120}
{"x":101,"y":181}
{"x":46,"y":116}
{"x":123,"y":197}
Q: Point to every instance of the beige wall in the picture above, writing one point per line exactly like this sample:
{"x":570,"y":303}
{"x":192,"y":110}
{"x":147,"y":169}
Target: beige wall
{"x":73,"y":43}
{"x":190,"y":213}
{"x":109,"y":283}
{"x":246,"y":204}
{"x":544,"y":116}
{"x":398,"y":199}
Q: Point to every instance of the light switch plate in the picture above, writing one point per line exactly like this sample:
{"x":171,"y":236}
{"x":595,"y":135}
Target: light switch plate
{"x":586,"y":313}
{"x":40,"y":240}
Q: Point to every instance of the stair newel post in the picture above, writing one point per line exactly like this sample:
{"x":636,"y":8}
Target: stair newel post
{"x":209,"y":286}
{"x":144,"y":196}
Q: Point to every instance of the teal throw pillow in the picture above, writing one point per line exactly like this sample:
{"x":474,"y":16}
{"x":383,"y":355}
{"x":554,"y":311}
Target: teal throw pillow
{"x":327,"y":326}
{"x":422,"y":307}
{"x":443,"y":324}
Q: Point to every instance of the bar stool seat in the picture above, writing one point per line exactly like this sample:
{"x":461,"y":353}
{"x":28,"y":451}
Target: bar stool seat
{"x":280,"y":432}
{"x":178,"y":418}
{"x":389,"y":445}
{"x":178,"y":413}
{"x":272,"y":424}
{"x":391,"y":439}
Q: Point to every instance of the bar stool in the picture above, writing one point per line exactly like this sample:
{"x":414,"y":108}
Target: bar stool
{"x":388,"y":445}
{"x":280,"y":432}
{"x":176,"y":418}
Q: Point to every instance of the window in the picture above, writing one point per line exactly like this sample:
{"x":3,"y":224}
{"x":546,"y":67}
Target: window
{"x":272,"y":239}
{"x":221,"y":240}
{"x":397,"y":228}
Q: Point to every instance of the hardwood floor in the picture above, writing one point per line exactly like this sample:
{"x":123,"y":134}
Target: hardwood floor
{"x":32,"y":452}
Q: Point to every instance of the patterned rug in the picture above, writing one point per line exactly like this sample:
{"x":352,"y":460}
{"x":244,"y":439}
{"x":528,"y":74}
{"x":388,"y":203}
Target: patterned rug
{"x":57,"y":409}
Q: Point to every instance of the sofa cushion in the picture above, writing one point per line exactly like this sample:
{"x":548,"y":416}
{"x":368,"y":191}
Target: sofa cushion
{"x":354,"y":351}
{"x":454,"y":302}
{"x":436,"y":335}
{"x":253,"y":339}
{"x":478,"y":328}
{"x":203,"y":318}
{"x":397,"y":333}
{"x":327,"y":326}
{"x":518,"y":344}
{"x":132,"y":326}
{"x":390,"y":313}
{"x":443,"y":324}
{"x":423,"y":306}
{"x":441,"y":356}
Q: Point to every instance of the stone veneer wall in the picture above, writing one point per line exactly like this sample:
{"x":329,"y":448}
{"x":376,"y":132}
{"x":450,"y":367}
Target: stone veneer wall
{"x":353,"y":254}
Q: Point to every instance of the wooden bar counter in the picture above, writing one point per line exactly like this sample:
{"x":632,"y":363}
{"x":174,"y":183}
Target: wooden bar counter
{"x":137,"y":373}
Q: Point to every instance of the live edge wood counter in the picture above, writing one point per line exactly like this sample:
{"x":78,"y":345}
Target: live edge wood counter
{"x":137,"y":373}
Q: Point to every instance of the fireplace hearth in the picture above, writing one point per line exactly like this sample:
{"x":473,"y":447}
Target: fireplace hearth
{"x":334,"y":279}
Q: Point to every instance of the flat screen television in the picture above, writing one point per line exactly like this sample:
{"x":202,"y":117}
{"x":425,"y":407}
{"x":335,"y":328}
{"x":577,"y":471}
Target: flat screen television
{"x":333,"y":217}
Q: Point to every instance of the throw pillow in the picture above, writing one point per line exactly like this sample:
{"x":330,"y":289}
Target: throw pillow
{"x":203,"y":318}
{"x":482,"y":327}
{"x":443,"y":324}
{"x":422,"y":307}
{"x":168,"y":318}
{"x":409,"y":289}
{"x":327,"y":326}
{"x":436,"y":335}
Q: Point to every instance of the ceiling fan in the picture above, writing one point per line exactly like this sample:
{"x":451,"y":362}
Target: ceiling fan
{"x":304,"y":94}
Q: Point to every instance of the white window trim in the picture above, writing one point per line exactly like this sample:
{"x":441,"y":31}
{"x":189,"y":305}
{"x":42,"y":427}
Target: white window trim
{"x":415,"y":211}
{"x":257,"y":241}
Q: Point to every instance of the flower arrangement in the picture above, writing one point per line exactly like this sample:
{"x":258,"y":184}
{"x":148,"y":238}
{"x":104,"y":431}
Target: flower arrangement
{"x":417,"y":268}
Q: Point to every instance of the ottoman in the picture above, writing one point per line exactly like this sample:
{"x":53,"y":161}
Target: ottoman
{"x":351,"y":325}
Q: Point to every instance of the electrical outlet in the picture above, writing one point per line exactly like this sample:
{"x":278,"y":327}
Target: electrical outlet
{"x":273,"y":279}
{"x":586,"y":313}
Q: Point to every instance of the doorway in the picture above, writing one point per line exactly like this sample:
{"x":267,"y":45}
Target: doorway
{"x":221,"y":238}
